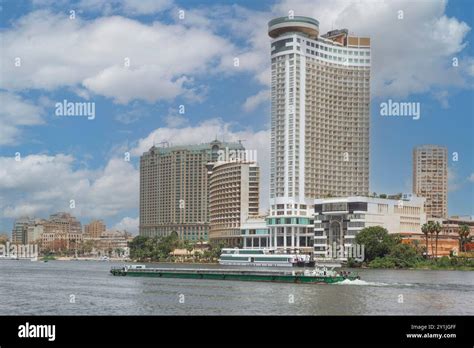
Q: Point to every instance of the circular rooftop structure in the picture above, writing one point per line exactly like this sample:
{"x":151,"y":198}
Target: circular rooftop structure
{"x":281,"y":25}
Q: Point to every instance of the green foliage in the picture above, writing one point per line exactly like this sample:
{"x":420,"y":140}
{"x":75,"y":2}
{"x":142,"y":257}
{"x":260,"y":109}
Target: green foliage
{"x":464,"y":238}
{"x":376,"y":241}
{"x":159,"y":248}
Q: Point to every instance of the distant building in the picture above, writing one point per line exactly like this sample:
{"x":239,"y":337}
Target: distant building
{"x":20,"y":230}
{"x":61,"y":231}
{"x":95,"y":228}
{"x":430,"y":178}
{"x":111,"y":243}
{"x":174,"y":194}
{"x":233,"y":198}
{"x":339,"y":220}
{"x":35,"y":231}
{"x":448,"y":239}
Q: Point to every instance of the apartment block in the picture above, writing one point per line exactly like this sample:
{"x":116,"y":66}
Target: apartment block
{"x":430,"y":178}
{"x":95,"y":228}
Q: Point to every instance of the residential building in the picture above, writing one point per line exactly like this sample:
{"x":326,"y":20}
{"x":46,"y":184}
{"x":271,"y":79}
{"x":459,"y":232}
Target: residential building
{"x":61,"y":231}
{"x":448,"y":238}
{"x":320,"y":94}
{"x":95,"y":228}
{"x":430,"y":178}
{"x":233,"y":198}
{"x":174,"y":188}
{"x":337,"y":221}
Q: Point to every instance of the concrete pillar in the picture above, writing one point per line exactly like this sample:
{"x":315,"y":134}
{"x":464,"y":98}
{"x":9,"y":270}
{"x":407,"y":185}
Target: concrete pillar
{"x":292,"y":237}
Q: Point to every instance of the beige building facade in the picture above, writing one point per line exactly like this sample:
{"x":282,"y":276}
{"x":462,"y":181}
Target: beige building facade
{"x":233,"y":198}
{"x":174,"y":189}
{"x":430,"y":178}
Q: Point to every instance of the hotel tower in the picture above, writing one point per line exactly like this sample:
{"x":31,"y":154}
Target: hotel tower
{"x":320,"y":93}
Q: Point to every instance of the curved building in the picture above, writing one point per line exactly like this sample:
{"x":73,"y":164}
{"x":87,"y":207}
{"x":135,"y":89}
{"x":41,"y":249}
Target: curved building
{"x":233,"y":198}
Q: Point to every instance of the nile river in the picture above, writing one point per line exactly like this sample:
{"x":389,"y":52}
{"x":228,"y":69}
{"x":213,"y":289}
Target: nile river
{"x":87,"y":288}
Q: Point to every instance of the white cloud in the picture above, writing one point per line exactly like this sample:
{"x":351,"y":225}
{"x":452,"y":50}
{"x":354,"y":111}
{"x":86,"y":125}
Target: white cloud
{"x":254,"y":101}
{"x":453,"y":180}
{"x":409,"y":55}
{"x":164,"y":59}
{"x":129,"y":7}
{"x":471,"y":178}
{"x":128,"y":224}
{"x":15,"y":112}
{"x":43,"y":184}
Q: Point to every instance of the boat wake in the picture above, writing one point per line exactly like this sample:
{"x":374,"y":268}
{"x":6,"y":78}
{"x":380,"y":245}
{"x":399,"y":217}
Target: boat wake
{"x":361,"y":282}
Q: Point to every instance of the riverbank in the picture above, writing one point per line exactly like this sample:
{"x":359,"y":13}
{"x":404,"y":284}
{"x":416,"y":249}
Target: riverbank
{"x":441,"y":264}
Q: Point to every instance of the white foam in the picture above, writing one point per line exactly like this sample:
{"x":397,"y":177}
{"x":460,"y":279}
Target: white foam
{"x":361,"y":282}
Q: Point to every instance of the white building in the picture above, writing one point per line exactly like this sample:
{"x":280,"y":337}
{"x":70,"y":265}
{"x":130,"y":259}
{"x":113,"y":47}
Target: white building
{"x":320,"y":94}
{"x":255,"y":233}
{"x":338,"y":220}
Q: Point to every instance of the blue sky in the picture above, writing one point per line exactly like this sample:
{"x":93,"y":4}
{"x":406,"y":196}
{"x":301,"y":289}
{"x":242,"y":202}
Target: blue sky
{"x":190,"y":62}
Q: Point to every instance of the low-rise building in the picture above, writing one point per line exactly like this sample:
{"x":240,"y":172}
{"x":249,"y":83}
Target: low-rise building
{"x":255,"y":233}
{"x":110,"y":243}
{"x":337,"y":221}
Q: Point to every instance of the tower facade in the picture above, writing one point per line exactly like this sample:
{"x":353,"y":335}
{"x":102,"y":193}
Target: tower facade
{"x":320,"y":94}
{"x":430,"y":178}
{"x":233,"y":198}
{"x":174,"y":189}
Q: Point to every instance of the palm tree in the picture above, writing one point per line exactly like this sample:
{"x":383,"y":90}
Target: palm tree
{"x":463,"y":236}
{"x":437,"y":229}
{"x":426,"y":229}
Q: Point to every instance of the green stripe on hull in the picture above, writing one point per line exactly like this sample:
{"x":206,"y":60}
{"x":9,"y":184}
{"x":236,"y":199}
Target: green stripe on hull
{"x":240,"y":277}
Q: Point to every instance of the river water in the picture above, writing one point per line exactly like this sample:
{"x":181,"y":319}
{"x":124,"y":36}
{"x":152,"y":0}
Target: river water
{"x":87,"y":288}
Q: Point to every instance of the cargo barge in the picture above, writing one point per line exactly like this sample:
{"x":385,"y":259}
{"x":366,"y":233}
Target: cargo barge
{"x":321,"y":275}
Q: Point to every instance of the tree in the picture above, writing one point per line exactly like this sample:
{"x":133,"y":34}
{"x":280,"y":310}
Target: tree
{"x":426,"y":229}
{"x":376,"y":241}
{"x":437,"y":229}
{"x":463,"y":236}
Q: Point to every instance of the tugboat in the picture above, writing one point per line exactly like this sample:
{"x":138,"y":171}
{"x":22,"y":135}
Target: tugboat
{"x":318,"y":275}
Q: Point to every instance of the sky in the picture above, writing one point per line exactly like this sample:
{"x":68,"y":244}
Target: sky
{"x":190,"y":71}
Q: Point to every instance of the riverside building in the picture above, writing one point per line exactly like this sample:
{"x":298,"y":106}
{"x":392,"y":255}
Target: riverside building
{"x":320,"y":93}
{"x":233,"y":199}
{"x":430,"y":178}
{"x":174,"y":189}
{"x":337,"y":221}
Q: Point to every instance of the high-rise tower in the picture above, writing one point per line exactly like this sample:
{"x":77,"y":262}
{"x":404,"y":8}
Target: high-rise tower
{"x":320,"y":94}
{"x":174,"y":189}
{"x":430,"y":178}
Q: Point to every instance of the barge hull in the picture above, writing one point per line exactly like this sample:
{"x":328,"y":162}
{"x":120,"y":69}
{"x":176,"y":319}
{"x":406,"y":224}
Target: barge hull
{"x":240,"y":277}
